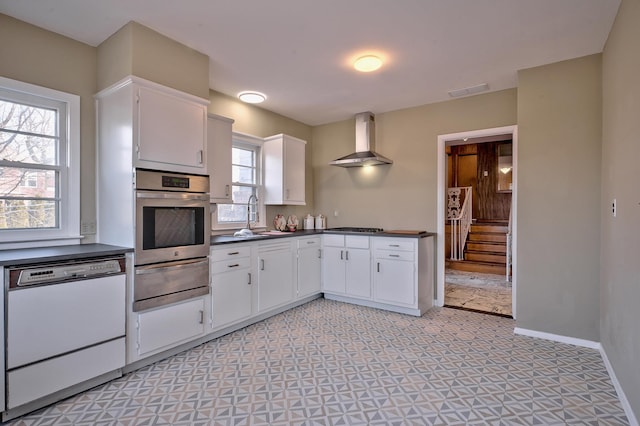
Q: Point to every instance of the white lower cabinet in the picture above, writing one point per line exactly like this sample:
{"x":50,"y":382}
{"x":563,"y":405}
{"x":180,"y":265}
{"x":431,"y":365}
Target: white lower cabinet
{"x":275,"y":275}
{"x":231,"y":285}
{"x":168,"y":326}
{"x":403,"y":273}
{"x":309,"y":267}
{"x":347,"y":265}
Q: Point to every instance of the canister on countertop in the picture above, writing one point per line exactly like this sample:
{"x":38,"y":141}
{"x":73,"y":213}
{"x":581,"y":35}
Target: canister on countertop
{"x":309,"y":222}
{"x":321,"y":222}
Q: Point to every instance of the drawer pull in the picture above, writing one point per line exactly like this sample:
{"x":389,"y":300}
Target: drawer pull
{"x":249,"y":283}
{"x":341,"y":254}
{"x":231,"y":253}
{"x":378,"y":266}
{"x":262,"y":264}
{"x":201,"y":321}
{"x":394,"y":245}
{"x":311,"y":242}
{"x":235,"y":265}
{"x":394,"y":255}
{"x":347,"y":255}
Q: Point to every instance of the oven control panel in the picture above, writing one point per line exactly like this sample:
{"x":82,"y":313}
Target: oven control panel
{"x":27,"y":276}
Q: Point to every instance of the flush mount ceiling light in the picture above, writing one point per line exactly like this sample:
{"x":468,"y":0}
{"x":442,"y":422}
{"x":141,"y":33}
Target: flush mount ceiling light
{"x":252,"y":97}
{"x":367,"y":63}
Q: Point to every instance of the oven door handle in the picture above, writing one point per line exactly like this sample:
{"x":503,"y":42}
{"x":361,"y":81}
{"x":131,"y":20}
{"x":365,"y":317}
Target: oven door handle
{"x":173,"y":195}
{"x":160,"y":267}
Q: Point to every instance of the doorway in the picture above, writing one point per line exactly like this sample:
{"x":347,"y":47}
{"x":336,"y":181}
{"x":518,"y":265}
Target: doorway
{"x":445,"y":142}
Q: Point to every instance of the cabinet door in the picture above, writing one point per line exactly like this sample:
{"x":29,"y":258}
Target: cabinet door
{"x":358,"y":272}
{"x":284,"y":170}
{"x":171,"y":129}
{"x":166,"y":327}
{"x":275,"y":285}
{"x":309,"y":271}
{"x":230,"y":297}
{"x":219,"y":143}
{"x":294,"y":171}
{"x":333,"y":279}
{"x":394,"y":282}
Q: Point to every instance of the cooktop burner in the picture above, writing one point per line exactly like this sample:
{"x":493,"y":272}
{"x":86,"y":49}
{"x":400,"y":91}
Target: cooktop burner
{"x":356,"y":229}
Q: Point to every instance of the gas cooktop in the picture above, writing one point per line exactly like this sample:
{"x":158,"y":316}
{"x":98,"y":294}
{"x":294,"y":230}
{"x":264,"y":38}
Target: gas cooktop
{"x":356,"y":229}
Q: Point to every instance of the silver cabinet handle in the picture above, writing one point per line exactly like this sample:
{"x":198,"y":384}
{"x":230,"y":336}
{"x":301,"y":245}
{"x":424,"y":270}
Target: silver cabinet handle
{"x":235,"y":265}
{"x":394,"y":245}
{"x":341,"y":254}
{"x":319,"y":253}
{"x":394,"y":255}
{"x":262,"y":264}
{"x":231,"y":253}
{"x":200,"y":156}
{"x":311,"y":242}
{"x":378,"y":266}
{"x":201,"y":317}
{"x":226,"y":190}
{"x":347,"y":254}
{"x":249,"y":283}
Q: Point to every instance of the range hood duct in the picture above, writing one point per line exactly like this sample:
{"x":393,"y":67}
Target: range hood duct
{"x":365,"y":145}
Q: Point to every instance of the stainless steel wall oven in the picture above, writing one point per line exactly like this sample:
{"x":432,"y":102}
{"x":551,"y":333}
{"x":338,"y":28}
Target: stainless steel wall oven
{"x":173,"y":224}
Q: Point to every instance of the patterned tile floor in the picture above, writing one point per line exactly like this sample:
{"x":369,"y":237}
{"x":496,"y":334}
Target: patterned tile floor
{"x":478,"y":292}
{"x":329,"y":363}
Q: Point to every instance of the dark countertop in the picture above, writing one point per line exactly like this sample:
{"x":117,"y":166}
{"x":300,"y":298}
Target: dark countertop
{"x":18,"y":257}
{"x":228,"y":239}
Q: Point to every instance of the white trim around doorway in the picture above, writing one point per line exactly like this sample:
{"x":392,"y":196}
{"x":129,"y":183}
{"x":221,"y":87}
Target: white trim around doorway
{"x":442,"y":176}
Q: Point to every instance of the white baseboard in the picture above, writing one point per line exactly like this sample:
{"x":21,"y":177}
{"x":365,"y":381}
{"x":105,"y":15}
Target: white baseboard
{"x":633,"y":421}
{"x":558,"y":338}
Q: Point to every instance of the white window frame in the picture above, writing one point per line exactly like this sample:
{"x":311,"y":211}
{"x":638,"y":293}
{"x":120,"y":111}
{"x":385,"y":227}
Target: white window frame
{"x":68,"y":230}
{"x":240,"y":140}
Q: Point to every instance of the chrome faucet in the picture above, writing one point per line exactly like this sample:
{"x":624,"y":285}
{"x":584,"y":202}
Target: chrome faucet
{"x":249,"y":209}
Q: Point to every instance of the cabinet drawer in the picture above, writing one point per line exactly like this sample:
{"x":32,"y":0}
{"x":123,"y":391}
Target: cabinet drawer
{"x":333,"y":240}
{"x":230,"y":252}
{"x":356,"y":241}
{"x":308,"y":242}
{"x":394,"y":255}
{"x":230,"y":265}
{"x":394,"y":244}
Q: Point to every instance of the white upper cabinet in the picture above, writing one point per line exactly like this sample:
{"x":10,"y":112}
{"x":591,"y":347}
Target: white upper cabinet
{"x":165,"y":129}
{"x":219,"y":143}
{"x":284,"y":170}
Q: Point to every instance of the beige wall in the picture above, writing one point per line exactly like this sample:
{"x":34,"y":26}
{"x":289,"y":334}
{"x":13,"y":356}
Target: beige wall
{"x":559,"y":133}
{"x":620,"y":249}
{"x":404,"y":194}
{"x":259,"y":122}
{"x":143,"y":52}
{"x":33,"y":55}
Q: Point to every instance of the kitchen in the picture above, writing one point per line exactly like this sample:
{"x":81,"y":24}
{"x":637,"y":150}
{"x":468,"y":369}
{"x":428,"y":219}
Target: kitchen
{"x":328,"y":188}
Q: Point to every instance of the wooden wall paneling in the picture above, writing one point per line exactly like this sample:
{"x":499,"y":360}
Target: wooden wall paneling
{"x":492,"y":204}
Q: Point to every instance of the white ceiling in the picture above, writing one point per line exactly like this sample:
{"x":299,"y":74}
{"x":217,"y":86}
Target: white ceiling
{"x":299,"y":52}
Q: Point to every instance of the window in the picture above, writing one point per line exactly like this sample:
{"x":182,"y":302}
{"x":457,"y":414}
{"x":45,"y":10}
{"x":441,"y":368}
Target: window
{"x":246,"y":179}
{"x":39,"y":156}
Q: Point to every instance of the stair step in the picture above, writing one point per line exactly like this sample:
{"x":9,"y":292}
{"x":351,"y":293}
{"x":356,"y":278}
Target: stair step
{"x":483,"y":227}
{"x":487,"y":237}
{"x":481,"y":267}
{"x":487,"y":247}
{"x":486,"y":257}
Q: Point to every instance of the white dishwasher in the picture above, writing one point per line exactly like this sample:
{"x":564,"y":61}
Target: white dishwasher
{"x":65,"y":325}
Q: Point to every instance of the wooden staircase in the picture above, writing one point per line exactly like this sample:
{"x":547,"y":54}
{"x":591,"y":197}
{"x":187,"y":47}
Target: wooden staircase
{"x":486,"y":249}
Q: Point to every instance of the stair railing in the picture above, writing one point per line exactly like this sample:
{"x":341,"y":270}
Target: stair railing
{"x":460,"y":219}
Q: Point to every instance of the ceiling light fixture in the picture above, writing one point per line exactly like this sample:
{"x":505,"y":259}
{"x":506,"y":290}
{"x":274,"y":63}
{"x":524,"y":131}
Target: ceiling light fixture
{"x":252,"y":97}
{"x":367,"y":63}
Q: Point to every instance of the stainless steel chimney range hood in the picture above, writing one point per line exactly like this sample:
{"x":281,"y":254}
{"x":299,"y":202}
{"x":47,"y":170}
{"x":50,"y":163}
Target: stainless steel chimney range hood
{"x":365,"y":145}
